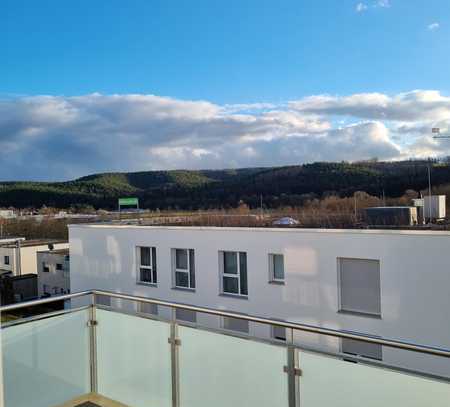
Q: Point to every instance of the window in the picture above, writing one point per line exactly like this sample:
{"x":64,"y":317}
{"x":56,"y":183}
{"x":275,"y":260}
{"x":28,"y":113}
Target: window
{"x":147,"y":265}
{"x":103,"y":300}
{"x":59,"y":266}
{"x":279,"y":333}
{"x":147,"y":308}
{"x":236,"y":324}
{"x":359,"y":286}
{"x":234,"y":273}
{"x":6,"y":260}
{"x":45,"y":267}
{"x":361,"y":348}
{"x":183,"y":268}
{"x":186,"y":315}
{"x":276,"y":267}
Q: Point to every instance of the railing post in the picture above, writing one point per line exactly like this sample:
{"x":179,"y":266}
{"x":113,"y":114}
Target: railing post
{"x":292,"y":370}
{"x":93,"y":343}
{"x":174,"y":345}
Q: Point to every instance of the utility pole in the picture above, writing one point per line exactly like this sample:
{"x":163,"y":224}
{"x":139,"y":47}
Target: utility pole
{"x":429,"y":192}
{"x":18,"y":258}
{"x":261,"y":205}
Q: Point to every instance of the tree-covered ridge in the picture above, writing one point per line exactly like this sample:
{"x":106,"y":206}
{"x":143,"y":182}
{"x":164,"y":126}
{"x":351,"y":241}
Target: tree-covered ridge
{"x":184,"y":189}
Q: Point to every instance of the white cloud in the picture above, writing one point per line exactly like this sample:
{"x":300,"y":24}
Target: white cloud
{"x":383,"y":4}
{"x":409,"y":107}
{"x":50,"y":137}
{"x":433,"y":26}
{"x":360,"y":7}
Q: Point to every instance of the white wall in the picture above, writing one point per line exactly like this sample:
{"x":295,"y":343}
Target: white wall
{"x":415,"y":277}
{"x":10,"y":252}
{"x":54,"y":278}
{"x":28,"y":258}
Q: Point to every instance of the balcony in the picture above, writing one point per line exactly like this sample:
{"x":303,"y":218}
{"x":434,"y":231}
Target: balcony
{"x":92,"y":355}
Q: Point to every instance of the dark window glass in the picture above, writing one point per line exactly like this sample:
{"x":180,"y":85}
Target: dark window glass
{"x":243,"y":272}
{"x":6,"y":259}
{"x":181,"y":279}
{"x":145,"y":256}
{"x":181,"y":259}
{"x":230,"y":262}
{"x":236,"y":324}
{"x":155,"y":279}
{"x":360,"y":348}
{"x":192,"y":267}
{"x":279,"y":333}
{"x":59,"y":266}
{"x":230,"y":285}
{"x":278,"y":266}
{"x":148,"y":308}
{"x":186,"y":315}
{"x":146,"y":275}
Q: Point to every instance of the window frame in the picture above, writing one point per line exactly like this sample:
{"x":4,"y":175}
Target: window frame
{"x":6,"y":260}
{"x":190,"y":255}
{"x":45,"y":267}
{"x":152,"y":267}
{"x":350,"y":355}
{"x":140,"y":308}
{"x":272,"y":278}
{"x":189,"y":320}
{"x":237,"y":276}
{"x":273,"y":329}
{"x":341,"y":308}
{"x":229,"y":321}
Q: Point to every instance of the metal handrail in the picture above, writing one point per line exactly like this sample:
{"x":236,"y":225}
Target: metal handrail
{"x":267,"y":321}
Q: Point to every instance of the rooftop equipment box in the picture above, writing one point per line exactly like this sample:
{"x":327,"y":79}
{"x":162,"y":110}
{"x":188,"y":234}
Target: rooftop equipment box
{"x":391,"y":215}
{"x":434,"y":207}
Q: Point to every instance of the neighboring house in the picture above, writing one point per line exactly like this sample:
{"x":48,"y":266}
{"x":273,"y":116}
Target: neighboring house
{"x":19,"y":257}
{"x":385,"y":283}
{"x":7,"y":214}
{"x":15,"y":289}
{"x":53,"y":272}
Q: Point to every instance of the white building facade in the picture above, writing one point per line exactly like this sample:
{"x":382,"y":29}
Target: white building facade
{"x":391,"y":284}
{"x":19,"y":257}
{"x":53,"y":272}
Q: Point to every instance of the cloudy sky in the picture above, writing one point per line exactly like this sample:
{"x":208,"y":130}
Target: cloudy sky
{"x":156,"y":85}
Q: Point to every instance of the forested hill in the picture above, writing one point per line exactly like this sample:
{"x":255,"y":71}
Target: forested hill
{"x":279,"y":186}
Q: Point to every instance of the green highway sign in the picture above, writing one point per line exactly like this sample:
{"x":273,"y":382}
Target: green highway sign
{"x":128,"y":201}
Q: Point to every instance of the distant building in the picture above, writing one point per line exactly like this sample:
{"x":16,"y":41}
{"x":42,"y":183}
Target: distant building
{"x":19,"y":257}
{"x":434,"y":207}
{"x":15,"y":289}
{"x":7,"y":214}
{"x":391,"y":216}
{"x":53,"y":272}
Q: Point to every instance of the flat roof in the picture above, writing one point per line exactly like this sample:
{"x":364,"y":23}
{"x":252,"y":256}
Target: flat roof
{"x":288,"y":229}
{"x":36,"y":242}
{"x":64,"y":251}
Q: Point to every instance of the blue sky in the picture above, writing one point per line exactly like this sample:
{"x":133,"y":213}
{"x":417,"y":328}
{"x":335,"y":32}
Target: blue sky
{"x":146,"y":84}
{"x":230,"y":51}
